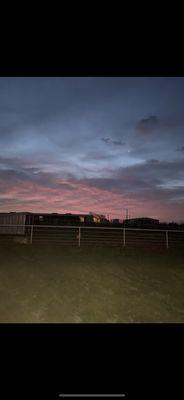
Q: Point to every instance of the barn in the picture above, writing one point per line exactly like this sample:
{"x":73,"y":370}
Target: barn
{"x":15,"y":225}
{"x":14,"y":222}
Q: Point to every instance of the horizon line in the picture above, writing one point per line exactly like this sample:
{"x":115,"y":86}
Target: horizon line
{"x":92,"y":213}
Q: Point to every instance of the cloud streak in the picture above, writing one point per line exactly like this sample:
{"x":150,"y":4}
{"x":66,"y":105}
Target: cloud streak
{"x":115,"y":142}
{"x":147,"y":125}
{"x":180,"y":148}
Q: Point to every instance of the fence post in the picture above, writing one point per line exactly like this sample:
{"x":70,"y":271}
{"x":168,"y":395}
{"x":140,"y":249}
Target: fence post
{"x":124,"y":242}
{"x":31,"y":239}
{"x":167,"y":239}
{"x":79,"y":237}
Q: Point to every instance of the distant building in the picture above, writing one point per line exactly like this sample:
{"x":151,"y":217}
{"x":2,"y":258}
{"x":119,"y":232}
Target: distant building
{"x":141,"y":222}
{"x":98,"y":218}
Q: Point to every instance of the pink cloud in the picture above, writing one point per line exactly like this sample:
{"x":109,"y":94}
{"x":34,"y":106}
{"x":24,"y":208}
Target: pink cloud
{"x":74,"y":196}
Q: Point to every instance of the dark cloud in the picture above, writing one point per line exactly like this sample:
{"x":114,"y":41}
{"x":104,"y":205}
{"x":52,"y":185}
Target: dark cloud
{"x":147,"y":180}
{"x":97,"y":155}
{"x":111,"y":141}
{"x":152,"y":161}
{"x":147,"y":125}
{"x":106,"y":140}
{"x":181,"y":148}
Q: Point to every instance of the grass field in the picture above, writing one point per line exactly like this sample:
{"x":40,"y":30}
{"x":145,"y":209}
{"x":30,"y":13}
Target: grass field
{"x":45,"y":283}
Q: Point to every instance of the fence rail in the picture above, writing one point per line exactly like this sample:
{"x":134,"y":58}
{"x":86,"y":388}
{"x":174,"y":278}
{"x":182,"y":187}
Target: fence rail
{"x":91,"y":235}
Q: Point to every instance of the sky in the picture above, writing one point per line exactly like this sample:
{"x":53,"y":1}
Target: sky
{"x":93,"y":144}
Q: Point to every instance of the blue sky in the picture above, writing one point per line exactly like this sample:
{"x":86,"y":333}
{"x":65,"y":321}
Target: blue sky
{"x":93,"y":144}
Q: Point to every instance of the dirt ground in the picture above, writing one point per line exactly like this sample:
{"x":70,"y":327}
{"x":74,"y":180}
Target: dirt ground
{"x":54,"y":284}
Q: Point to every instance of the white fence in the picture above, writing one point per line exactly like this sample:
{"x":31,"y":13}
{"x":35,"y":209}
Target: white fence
{"x":86,"y":236}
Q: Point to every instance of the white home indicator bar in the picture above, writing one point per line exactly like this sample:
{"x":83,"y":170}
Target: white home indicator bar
{"x":92,"y":395}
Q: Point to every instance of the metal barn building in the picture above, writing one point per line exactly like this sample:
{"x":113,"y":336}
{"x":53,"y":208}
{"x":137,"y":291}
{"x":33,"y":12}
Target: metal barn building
{"x":14,"y":222}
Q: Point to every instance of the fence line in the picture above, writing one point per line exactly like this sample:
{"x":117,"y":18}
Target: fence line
{"x":167,"y":239}
{"x":31,"y":239}
{"x":91,"y":235}
{"x":96,"y":227}
{"x":79,"y":237}
{"x":124,"y":240}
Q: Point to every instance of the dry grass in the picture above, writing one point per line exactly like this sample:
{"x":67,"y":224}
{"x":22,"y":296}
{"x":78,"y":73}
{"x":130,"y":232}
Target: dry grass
{"x":51,"y":284}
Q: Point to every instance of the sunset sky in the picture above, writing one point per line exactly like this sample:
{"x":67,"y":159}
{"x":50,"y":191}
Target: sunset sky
{"x":93,"y":144}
